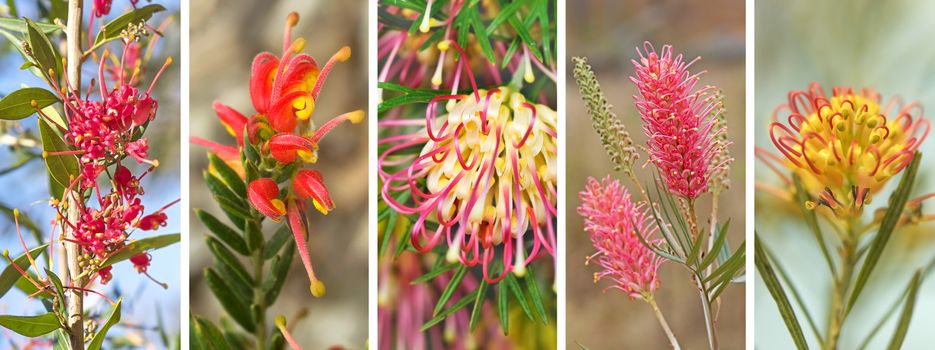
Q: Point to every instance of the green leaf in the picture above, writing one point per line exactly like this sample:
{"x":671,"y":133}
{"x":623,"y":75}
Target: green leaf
{"x":387,"y":235}
{"x":30,"y":326}
{"x":478,"y":304}
{"x":518,"y":293}
{"x":207,"y":335}
{"x":224,"y":194}
{"x":225,"y":257}
{"x":254,"y":234}
{"x":481,"y":34}
{"x":228,"y":175}
{"x":225,"y":233}
{"x":533,"y":286}
{"x":903,"y":326}
{"x":63,"y":167}
{"x":238,"y":311}
{"x":503,"y":308}
{"x":10,"y":275}
{"x":143,"y":245}
{"x":18,"y":104}
{"x":112,"y":29}
{"x":59,"y":288}
{"x":19,"y":25}
{"x":893,"y":213}
{"x":114,"y":317}
{"x":275,"y":243}
{"x":762,"y":260}
{"x":716,"y":247}
{"x":811,"y":219}
{"x":436,"y":271}
{"x":274,"y":281}
{"x":46,"y":56}
{"x":458,"y":305}
{"x":453,"y":285}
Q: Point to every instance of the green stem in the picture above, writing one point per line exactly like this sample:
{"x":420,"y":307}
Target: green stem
{"x":662,"y":321}
{"x":842,"y":283}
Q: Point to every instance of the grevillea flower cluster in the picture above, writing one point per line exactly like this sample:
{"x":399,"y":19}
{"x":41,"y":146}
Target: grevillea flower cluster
{"x":284,"y":91}
{"x":679,"y":120}
{"x":102,"y":133}
{"x":845,"y":147}
{"x":410,"y":59}
{"x":615,"y":225}
{"x":489,"y":171}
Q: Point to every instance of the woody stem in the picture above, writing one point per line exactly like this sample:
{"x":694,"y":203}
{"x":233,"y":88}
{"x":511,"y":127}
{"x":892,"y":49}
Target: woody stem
{"x":75,"y":297}
{"x":662,"y":322}
{"x":842,"y":284}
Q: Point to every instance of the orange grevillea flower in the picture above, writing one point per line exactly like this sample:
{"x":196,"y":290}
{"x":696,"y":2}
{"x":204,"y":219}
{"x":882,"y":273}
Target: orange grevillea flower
{"x":845,"y":146}
{"x":308,"y":184}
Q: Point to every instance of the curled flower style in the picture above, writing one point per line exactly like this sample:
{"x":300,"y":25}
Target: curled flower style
{"x":846,"y":146}
{"x":489,"y":173}
{"x":614,"y":223}
{"x":680,"y":121}
{"x":281,"y":138}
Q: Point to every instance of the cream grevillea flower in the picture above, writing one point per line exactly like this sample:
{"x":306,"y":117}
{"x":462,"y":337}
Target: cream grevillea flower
{"x":489,"y":172}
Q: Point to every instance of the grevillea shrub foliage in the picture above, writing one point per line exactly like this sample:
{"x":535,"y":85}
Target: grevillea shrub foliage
{"x":686,"y":144}
{"x":266,"y":173}
{"x":836,"y":154}
{"x":468,"y":173}
{"x":95,"y":145}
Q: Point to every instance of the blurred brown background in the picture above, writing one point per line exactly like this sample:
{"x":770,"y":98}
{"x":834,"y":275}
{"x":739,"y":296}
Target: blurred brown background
{"x":607,"y":32}
{"x":225,"y":36}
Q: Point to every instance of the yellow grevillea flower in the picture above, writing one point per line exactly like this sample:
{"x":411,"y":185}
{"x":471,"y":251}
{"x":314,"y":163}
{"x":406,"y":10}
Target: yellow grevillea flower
{"x":845,"y":147}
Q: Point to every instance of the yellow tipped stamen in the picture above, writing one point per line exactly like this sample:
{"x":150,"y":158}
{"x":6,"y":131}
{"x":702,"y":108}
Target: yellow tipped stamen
{"x":343,"y":54}
{"x":426,"y":18}
{"x":317,"y":288}
{"x":356,"y":117}
{"x":320,"y":207}
{"x":528,"y":76}
{"x":292,"y":19}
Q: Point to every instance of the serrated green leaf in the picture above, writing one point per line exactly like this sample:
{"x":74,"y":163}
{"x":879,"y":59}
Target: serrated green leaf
{"x":114,"y":317}
{"x":18,"y":104}
{"x":30,"y":326}
{"x":143,"y":245}
{"x":225,"y":233}
{"x":10,"y":275}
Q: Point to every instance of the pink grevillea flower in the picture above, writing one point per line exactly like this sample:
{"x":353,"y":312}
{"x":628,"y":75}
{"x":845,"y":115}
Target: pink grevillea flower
{"x":678,"y":119}
{"x":614,"y":223}
{"x":846,"y":146}
{"x":486,"y":175}
{"x":107,"y":130}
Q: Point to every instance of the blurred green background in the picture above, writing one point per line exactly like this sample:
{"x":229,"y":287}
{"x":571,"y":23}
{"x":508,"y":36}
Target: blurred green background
{"x":225,"y":36}
{"x":607,"y":32}
{"x":886,"y":45}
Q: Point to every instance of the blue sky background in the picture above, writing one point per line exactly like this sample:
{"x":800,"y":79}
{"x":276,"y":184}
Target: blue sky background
{"x":27,"y":189}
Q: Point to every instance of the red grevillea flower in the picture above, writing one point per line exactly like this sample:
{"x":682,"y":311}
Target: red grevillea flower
{"x":264,"y":196}
{"x":486,"y":175}
{"x":284,"y":91}
{"x":614,"y":222}
{"x":846,"y":146}
{"x":679,"y":121}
